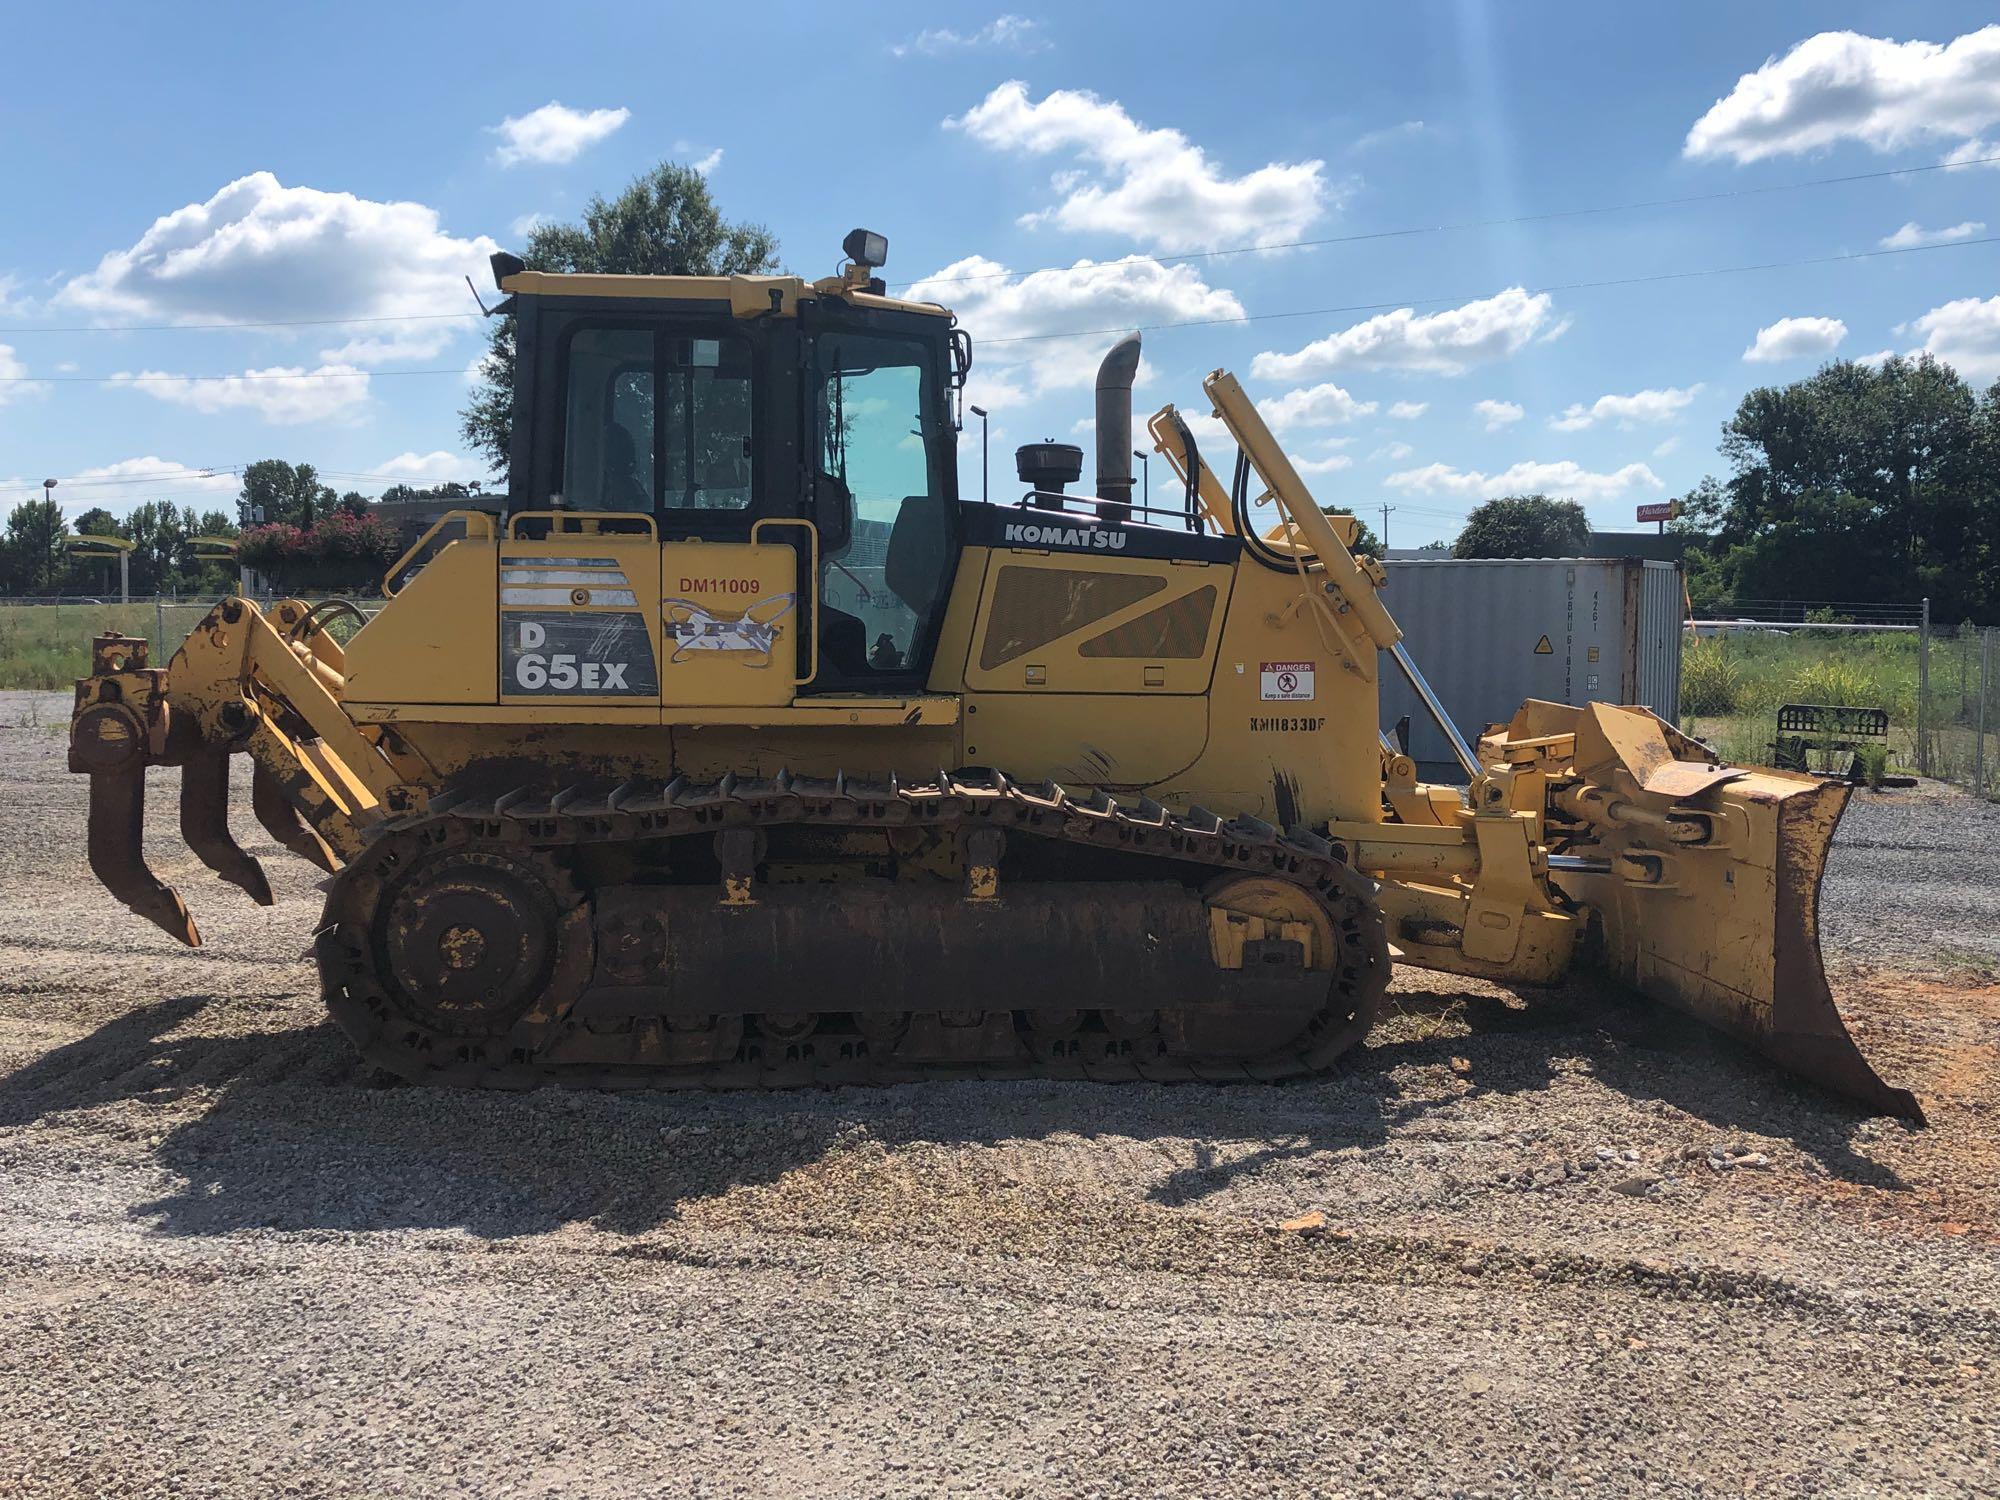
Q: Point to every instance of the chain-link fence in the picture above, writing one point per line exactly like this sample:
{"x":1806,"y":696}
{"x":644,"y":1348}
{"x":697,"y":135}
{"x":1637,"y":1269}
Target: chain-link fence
{"x":1741,"y":662}
{"x":1960,"y":742}
{"x":1744,"y":662}
{"x":45,"y":643}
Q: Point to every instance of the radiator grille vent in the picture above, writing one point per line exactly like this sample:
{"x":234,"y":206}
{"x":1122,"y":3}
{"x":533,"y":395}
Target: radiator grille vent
{"x":1175,"y":629}
{"x":1033,"y":606}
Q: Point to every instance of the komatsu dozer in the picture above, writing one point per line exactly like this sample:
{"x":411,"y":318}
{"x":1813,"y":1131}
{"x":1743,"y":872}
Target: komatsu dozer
{"x":735,"y":749}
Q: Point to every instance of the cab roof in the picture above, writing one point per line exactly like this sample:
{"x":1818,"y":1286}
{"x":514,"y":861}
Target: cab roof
{"x":747,"y":296}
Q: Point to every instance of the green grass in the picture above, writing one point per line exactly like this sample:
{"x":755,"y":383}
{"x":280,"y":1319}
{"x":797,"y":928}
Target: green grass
{"x":1732,"y":685}
{"x":48,"y":645}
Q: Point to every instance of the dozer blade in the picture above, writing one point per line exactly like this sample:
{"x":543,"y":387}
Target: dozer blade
{"x":117,"y":826}
{"x":1711,"y":904}
{"x":205,"y":823}
{"x":281,"y":820}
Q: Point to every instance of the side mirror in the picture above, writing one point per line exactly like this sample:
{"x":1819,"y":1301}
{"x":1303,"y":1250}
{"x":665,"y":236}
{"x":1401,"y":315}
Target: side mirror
{"x":833,"y":514}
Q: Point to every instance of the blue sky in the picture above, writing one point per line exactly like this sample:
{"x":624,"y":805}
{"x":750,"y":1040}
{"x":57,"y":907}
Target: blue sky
{"x":228,"y":163}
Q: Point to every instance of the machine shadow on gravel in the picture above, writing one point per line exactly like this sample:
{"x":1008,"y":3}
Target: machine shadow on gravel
{"x":298,"y":1136}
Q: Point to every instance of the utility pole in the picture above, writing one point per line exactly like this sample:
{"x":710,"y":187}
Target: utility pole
{"x":48,"y":532}
{"x":1145,"y":469}
{"x":1387,"y":511}
{"x":985,"y":459}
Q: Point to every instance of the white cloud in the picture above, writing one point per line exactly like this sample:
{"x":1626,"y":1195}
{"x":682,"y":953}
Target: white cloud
{"x":1408,"y":411}
{"x":1393,"y":452}
{"x":1795,"y":338}
{"x":1977,"y":153}
{"x":706,"y":165}
{"x":1666,"y":446}
{"x":1150,"y":185}
{"x":1330,"y":464}
{"x":9,"y":302}
{"x":1313,"y":406}
{"x":553,"y":134}
{"x":260,"y":251}
{"x":1627,"y":411}
{"x":437,"y":467}
{"x":1842,"y":86}
{"x":1913,"y":234}
{"x":1498,"y":414}
{"x":1564,"y":479}
{"x":14,"y":383}
{"x":997,"y":306}
{"x":1443,"y":343}
{"x":1408,"y":130}
{"x":284,"y":396}
{"x":1003,"y":33}
{"x":1878,"y":358}
{"x":1965,"y":334}
{"x":527,"y":224}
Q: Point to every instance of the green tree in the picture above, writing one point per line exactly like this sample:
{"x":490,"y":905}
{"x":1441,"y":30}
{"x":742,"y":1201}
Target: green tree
{"x":161,"y":557}
{"x":32,"y":560}
{"x":665,"y":224}
{"x":287,"y":494}
{"x":96,"y":521}
{"x":398,"y":494}
{"x":1874,"y":485}
{"x":1524,"y":526}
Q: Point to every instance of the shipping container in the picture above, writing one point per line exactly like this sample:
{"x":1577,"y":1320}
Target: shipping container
{"x":1488,"y":633}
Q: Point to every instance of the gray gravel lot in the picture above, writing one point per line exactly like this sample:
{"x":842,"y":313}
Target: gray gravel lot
{"x":233,"y":1263}
{"x":1915,"y":880}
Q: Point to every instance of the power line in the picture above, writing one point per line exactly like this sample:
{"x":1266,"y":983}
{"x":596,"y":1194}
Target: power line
{"x":265,"y":323}
{"x":224,"y":471}
{"x":78,"y":482}
{"x":1541,"y":218}
{"x":1652,"y":278}
{"x":1307,"y":244}
{"x":247,"y":375}
{"x":1561,"y":286}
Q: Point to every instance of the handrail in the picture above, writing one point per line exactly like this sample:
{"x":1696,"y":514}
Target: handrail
{"x":1085,"y":507}
{"x":559,"y":522}
{"x":484,"y":519}
{"x":812,"y":580}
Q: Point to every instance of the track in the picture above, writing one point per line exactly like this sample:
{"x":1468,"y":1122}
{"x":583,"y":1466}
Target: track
{"x":470,"y":943}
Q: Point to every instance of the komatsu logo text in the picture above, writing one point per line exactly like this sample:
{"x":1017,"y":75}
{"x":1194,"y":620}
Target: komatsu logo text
{"x":1087,"y":538}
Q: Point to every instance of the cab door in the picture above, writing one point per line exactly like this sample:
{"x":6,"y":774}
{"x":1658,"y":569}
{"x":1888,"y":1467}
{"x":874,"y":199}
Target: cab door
{"x":882,"y":467}
{"x":669,"y":453}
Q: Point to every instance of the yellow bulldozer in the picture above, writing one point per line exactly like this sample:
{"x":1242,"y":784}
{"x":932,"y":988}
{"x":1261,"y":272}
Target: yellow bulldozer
{"x":737,"y":750}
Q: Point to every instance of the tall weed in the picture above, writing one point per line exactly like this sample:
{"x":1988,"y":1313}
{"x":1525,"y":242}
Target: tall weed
{"x":1711,"y":682}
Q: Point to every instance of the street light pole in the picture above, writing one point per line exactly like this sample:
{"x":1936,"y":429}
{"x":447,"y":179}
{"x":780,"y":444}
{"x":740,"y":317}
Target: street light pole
{"x":1146,"y":471}
{"x":48,"y":529}
{"x":985,"y":463}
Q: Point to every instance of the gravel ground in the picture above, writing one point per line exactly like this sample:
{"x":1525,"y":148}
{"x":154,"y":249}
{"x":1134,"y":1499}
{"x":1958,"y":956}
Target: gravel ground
{"x":231,"y":1263}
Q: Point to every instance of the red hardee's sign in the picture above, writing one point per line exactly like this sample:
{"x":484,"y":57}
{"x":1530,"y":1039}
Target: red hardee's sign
{"x":1664,"y":510}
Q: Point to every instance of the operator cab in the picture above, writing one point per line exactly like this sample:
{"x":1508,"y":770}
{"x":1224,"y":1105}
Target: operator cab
{"x":734,"y":409}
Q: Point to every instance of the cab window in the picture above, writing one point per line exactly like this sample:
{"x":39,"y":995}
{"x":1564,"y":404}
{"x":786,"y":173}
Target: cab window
{"x":656,"y":419}
{"x":882,"y":434}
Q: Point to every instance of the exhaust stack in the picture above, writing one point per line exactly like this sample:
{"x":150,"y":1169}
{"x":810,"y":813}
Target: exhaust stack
{"x":1114,"y":429}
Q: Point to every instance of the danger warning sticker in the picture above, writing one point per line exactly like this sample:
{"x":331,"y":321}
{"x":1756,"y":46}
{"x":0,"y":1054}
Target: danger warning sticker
{"x":1286,"y":681}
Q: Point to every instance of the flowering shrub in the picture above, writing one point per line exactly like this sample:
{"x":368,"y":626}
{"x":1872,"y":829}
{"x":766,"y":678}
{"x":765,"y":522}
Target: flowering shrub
{"x":340,"y":552}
